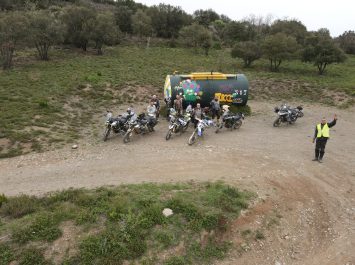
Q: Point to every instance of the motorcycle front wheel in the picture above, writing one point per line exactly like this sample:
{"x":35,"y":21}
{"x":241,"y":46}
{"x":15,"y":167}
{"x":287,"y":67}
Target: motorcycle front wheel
{"x":107,"y":133}
{"x":192,"y":138}
{"x":300,"y":114}
{"x":127,"y":137}
{"x":237,"y":124}
{"x":277,"y":122}
{"x":168,"y":135}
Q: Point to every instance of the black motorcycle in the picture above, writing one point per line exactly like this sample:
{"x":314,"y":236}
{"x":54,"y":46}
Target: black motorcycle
{"x":286,"y":114}
{"x":139,"y":125}
{"x":117,"y":125}
{"x":231,"y":121}
{"x":178,"y":124}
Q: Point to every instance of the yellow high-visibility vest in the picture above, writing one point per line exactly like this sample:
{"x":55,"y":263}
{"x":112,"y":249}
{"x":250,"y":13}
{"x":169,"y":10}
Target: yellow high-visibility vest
{"x":323,"y":132}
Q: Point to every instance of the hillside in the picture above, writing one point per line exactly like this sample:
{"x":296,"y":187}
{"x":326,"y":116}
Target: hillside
{"x":46,"y":105}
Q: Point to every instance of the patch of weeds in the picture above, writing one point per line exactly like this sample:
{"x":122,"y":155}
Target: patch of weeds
{"x":43,"y":227}
{"x":164,"y":238}
{"x":19,"y":206}
{"x":117,"y":243}
{"x":246,"y":110}
{"x":86,"y":216}
{"x":6,"y":254}
{"x":32,"y":256}
{"x":3,"y":199}
{"x":43,"y":104}
{"x":246,"y":233}
{"x":179,"y":260}
{"x":212,"y":250}
{"x":259,"y":235}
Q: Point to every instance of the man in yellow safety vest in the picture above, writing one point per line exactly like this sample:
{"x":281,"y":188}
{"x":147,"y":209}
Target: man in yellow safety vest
{"x":321,"y":136}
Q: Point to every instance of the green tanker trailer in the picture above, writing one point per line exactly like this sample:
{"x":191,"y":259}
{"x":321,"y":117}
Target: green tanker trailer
{"x":203,"y":87}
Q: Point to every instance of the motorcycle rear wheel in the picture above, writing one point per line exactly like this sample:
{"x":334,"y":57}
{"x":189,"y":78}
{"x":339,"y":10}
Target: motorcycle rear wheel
{"x":168,"y":135}
{"x":277,"y":122}
{"x":106,"y":133}
{"x":192,"y":138}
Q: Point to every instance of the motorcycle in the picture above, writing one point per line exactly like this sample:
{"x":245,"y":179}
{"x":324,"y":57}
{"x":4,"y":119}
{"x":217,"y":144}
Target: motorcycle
{"x":231,"y":121}
{"x":287,"y":114}
{"x":118,"y":125}
{"x":177,"y":124}
{"x":198,"y":132}
{"x":139,"y":125}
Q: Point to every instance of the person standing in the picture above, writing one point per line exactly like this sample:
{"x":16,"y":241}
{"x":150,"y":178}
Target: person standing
{"x":215,"y":108}
{"x":321,"y":136}
{"x":178,"y":104}
{"x":197,"y":114}
{"x":157,"y":104}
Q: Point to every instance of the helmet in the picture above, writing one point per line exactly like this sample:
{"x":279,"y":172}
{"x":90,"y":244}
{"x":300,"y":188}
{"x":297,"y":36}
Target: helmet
{"x":129,"y":110}
{"x":225,"y":107}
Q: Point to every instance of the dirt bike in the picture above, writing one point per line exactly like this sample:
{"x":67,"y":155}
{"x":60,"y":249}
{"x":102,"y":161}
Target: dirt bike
{"x":177,"y":124}
{"x":200,"y":128}
{"x":285,"y":114}
{"x":139,"y":125}
{"x":231,"y":121}
{"x":117,"y":125}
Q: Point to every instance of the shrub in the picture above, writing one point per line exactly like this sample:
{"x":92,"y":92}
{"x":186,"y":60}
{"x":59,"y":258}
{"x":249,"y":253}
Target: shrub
{"x":19,"y":206}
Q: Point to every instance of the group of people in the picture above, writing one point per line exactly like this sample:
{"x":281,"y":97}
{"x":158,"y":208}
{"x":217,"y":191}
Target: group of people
{"x":197,"y":113}
{"x":321,"y":134}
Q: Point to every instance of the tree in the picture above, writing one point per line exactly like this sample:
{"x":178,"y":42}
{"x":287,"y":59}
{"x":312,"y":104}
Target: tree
{"x":321,"y":50}
{"x":205,"y":17}
{"x":104,"y":31}
{"x":141,"y":24}
{"x":79,"y":21}
{"x":347,"y":41}
{"x":279,"y":47}
{"x":13,"y":30}
{"x":45,"y":31}
{"x":248,"y":51}
{"x":196,"y":36}
{"x":123,"y":17}
{"x":238,"y":31}
{"x":167,"y":20}
{"x":291,"y":27}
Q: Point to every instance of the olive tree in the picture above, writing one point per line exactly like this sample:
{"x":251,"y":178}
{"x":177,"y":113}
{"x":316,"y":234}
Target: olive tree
{"x":321,"y":50}
{"x":196,"y":36}
{"x":104,"y":31}
{"x":45,"y":30}
{"x":248,"y":51}
{"x":13,"y":30}
{"x":79,"y":21}
{"x":279,"y":47}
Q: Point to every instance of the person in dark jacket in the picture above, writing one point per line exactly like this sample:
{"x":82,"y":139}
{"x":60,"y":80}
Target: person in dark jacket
{"x":215,"y":108}
{"x":321,"y":136}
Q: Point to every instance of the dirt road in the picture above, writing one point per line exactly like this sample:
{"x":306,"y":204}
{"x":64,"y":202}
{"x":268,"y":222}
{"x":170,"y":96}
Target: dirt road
{"x":315,"y":202}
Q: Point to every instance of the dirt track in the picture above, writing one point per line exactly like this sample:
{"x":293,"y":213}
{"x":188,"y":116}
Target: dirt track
{"x":316,"y":201}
